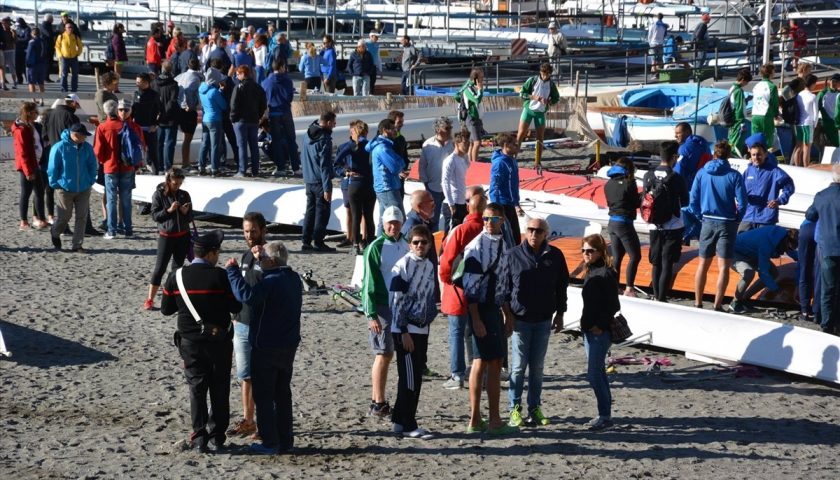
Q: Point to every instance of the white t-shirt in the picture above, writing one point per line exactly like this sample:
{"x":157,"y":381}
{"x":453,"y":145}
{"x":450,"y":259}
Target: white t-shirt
{"x":808,"y":110}
{"x":543,"y":90}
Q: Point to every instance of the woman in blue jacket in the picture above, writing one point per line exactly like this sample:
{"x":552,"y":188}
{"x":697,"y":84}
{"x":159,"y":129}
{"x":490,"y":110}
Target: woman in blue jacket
{"x":213,"y":104}
{"x":310,"y":66}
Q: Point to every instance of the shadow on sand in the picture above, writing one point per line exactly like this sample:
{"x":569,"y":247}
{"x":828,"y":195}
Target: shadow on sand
{"x":43,"y":350}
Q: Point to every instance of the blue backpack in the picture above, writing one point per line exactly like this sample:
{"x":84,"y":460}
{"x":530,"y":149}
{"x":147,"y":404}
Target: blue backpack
{"x":131,"y":147}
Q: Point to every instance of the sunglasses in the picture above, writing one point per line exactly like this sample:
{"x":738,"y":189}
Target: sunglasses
{"x":535,"y":230}
{"x":123,"y":109}
{"x":419,"y":242}
{"x":492,"y":219}
{"x":587,"y":251}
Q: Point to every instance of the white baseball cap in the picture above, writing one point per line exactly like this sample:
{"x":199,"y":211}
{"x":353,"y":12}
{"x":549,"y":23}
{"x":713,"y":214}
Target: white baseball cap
{"x":392,"y":214}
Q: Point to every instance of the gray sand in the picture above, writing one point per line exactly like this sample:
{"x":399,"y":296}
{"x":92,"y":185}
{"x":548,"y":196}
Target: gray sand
{"x":95,"y":390}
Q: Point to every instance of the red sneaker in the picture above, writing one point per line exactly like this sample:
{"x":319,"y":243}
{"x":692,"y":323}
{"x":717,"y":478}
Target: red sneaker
{"x":148,"y":304}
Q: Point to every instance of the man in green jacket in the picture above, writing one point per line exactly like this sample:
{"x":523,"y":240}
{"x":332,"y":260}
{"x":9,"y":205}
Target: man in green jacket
{"x":538,"y":94}
{"x":379,"y":258}
{"x":765,"y":104}
{"x":738,"y":130}
{"x":827,"y":101}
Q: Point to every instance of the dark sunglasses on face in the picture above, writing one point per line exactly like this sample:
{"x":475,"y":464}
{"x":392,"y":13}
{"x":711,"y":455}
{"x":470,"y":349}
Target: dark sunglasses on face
{"x":419,"y":242}
{"x":536,"y":230}
{"x":492,"y":219}
{"x":586,"y":251}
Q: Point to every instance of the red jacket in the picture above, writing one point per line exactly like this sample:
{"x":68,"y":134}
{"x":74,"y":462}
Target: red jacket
{"x":106,"y":145}
{"x":152,"y":51}
{"x":26,"y":160}
{"x":452,"y":298}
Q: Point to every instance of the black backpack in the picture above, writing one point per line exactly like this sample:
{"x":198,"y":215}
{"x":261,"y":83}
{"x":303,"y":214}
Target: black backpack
{"x":726,"y":113}
{"x":790,"y":111}
{"x":657,"y":203}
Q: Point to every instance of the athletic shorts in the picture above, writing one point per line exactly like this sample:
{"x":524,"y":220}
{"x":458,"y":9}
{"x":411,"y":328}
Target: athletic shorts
{"x":537,"y":117}
{"x":804,"y":133}
{"x":242,"y":350}
{"x":36,"y":75}
{"x":345,"y":195}
{"x":188,"y":121}
{"x":718,"y":236}
{"x":493,"y":345}
{"x":382,"y":344}
{"x":476,"y":128}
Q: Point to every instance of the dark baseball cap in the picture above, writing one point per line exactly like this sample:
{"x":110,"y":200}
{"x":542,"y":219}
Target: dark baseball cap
{"x":80,"y":129}
{"x":211,"y":240}
{"x":835,"y":77}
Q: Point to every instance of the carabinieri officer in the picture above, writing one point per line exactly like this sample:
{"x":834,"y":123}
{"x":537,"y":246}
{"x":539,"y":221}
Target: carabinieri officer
{"x":201,"y":295}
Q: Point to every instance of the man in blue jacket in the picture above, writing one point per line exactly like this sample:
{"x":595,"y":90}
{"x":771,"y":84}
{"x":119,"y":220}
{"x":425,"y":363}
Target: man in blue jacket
{"x":318,"y":175}
{"x":504,"y":181}
{"x":71,"y":173}
{"x":825,"y":210}
{"x":388,"y":169}
{"x":718,"y":197}
{"x":274,"y":337}
{"x":329,"y":67}
{"x":753,"y":251}
{"x":279,"y":93}
{"x":537,"y":278}
{"x":693,"y":151}
{"x":768,"y":186}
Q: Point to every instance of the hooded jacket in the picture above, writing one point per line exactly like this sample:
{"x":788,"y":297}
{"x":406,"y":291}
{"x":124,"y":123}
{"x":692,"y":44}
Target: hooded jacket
{"x":317,"y":161}
{"x":168,"y":92}
{"x":212,"y":103}
{"x":146,"y":108}
{"x":275,"y":303}
{"x":504,"y":179}
{"x":72,"y":166}
{"x":171,"y":224}
{"x":622,"y":195}
{"x":26,"y":158}
{"x":310,"y":66}
{"x":760,"y":245}
{"x":765,"y":183}
{"x":59,"y":119}
{"x":536,"y":282}
{"x":691,"y":153}
{"x":279,"y":93}
{"x":247,"y":102}
{"x":328,"y":63}
{"x":35,"y":53}
{"x":712,"y":194}
{"x":188,"y":85}
{"x":107,"y":144}
{"x":453,"y":301}
{"x":387,"y":164}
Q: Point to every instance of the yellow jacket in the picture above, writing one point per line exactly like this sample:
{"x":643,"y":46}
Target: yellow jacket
{"x":68,"y":45}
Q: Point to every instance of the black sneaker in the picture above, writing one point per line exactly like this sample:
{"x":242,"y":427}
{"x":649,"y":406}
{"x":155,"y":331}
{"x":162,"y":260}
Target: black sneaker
{"x":324,"y":248}
{"x":345,"y":243}
{"x":737,"y":307}
{"x":380,"y":410}
{"x":92,"y":232}
{"x":56,"y":241}
{"x":306,"y":247}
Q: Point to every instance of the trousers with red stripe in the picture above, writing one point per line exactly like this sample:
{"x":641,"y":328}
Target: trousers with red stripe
{"x":410,"y":367}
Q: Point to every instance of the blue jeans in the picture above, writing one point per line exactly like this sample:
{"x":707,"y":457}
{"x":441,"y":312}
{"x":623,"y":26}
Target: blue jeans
{"x":528,"y":345}
{"x":246,"y":139}
{"x":118,"y":186}
{"x":284,"y":148}
{"x":68,"y":64}
{"x":212,"y":136}
{"x":457,"y":325}
{"x":166,"y":145}
{"x":405,"y":83}
{"x":242,"y":350}
{"x":387,"y":199}
{"x":829,"y":273}
{"x":447,"y":214}
{"x":596,"y":347}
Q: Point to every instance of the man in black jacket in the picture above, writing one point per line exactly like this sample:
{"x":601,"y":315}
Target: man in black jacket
{"x":146,"y":110}
{"x":317,"y":163}
{"x":537,"y":280}
{"x":204,"y":302}
{"x":48,"y":36}
{"x":247,"y":105}
{"x":170,"y":114}
{"x":666,"y":239}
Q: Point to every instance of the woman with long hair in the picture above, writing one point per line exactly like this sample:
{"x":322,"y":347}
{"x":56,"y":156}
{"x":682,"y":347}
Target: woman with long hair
{"x":623,"y":200}
{"x":260,"y":56}
{"x":28,"y":150}
{"x":600,"y":304}
{"x":172,"y":210}
{"x":358,"y":177}
{"x":310,"y":67}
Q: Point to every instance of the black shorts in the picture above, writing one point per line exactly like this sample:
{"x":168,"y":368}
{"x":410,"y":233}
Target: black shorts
{"x":493,"y":345}
{"x":188,"y":121}
{"x":665,"y":245}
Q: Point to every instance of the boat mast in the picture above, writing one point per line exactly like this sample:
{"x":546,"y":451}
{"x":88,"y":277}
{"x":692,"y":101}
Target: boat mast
{"x":768,"y":21}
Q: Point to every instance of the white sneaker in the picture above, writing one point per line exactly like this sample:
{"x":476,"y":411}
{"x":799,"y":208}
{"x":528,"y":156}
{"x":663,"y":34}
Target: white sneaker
{"x":420,"y":433}
{"x":454,"y":383}
{"x":109,"y":236}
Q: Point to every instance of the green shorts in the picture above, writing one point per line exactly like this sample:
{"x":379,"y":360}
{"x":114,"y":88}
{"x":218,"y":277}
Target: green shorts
{"x":804,"y":134}
{"x":537,"y":117}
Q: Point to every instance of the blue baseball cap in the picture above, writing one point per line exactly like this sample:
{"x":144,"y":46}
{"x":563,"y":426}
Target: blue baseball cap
{"x":756,"y":139}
